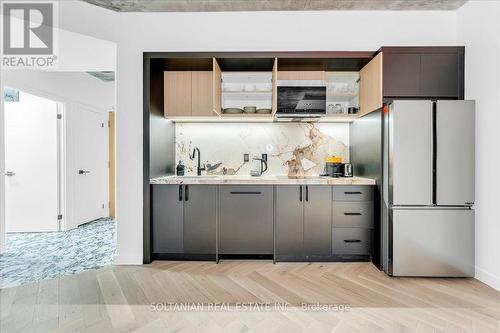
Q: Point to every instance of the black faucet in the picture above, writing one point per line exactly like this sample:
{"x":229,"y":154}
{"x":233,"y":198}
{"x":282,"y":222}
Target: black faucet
{"x":199,"y":169}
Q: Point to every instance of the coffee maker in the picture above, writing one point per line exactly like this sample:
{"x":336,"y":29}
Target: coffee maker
{"x":333,"y":166}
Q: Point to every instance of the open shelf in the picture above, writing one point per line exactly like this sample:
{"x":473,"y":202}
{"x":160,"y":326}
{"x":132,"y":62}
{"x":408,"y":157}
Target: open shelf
{"x":247,"y":95}
{"x":342,"y":91}
{"x":243,"y":92}
{"x":240,"y":89}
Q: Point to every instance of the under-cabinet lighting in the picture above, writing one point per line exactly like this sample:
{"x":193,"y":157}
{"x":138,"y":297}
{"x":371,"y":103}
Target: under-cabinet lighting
{"x":244,"y":119}
{"x":222,"y":119}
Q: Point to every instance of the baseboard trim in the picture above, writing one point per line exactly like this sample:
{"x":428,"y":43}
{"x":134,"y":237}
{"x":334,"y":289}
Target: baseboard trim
{"x":127,"y":260}
{"x":488,"y":278}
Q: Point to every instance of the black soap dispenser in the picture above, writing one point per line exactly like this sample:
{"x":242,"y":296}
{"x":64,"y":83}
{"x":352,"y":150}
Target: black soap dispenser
{"x":180,"y":169}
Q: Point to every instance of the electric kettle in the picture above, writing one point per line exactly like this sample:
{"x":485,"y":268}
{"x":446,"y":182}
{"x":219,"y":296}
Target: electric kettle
{"x":259,"y":166}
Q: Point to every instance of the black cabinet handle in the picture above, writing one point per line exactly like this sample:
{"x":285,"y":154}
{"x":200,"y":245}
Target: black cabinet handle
{"x":186,"y":193}
{"x":180,"y":192}
{"x":300,"y":193}
{"x":307,"y":193}
{"x":353,"y":192}
{"x":352,"y":240}
{"x":246,"y":192}
{"x":351,"y":214}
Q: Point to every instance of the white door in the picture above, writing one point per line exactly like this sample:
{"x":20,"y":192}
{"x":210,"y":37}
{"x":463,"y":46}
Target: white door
{"x":31,"y":161}
{"x":91,"y":165}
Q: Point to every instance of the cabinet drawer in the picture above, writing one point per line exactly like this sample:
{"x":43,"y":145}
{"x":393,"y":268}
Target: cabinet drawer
{"x":351,"y":241}
{"x":356,"y":214}
{"x":352,"y":193}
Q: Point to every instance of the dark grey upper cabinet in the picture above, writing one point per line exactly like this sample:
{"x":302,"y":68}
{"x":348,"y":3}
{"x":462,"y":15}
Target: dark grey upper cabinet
{"x":423,"y":72}
{"x":200,"y":214}
{"x":318,"y":220}
{"x":289,"y":220}
{"x":439,"y":75}
{"x":167,"y":218}
{"x":401,"y":74}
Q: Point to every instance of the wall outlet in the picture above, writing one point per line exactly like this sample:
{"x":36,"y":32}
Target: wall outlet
{"x":246,"y":158}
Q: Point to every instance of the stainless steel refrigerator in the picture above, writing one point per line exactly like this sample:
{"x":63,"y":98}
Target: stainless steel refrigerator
{"x":428,"y":188}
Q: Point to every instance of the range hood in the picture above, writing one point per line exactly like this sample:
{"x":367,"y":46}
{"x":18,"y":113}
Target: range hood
{"x":301,"y":102}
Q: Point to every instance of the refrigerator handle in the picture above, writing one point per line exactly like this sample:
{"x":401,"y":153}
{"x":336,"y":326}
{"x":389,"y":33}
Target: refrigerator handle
{"x":434,"y":151}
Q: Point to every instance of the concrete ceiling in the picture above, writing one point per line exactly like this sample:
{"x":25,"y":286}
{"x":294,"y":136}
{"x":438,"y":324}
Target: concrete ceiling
{"x":268,"y":5}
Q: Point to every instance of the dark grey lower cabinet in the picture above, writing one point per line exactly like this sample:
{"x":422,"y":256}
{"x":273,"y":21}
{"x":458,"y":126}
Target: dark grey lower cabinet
{"x":167,"y":218}
{"x":289,"y":220}
{"x":353,"y":218}
{"x":184,"y":219}
{"x":200,"y":214}
{"x":318,"y":220}
{"x":303,"y":221}
{"x":246,"y":219}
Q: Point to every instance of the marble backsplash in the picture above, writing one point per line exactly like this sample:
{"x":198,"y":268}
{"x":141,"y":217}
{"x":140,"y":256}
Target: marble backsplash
{"x":294,"y":149}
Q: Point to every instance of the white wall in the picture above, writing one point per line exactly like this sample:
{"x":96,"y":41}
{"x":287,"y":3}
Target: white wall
{"x":67,"y":87}
{"x":135,"y":33}
{"x":478,"y":27}
{"x":78,"y":52}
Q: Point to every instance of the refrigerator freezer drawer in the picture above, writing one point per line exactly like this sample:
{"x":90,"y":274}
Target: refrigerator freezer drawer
{"x":433,"y":242}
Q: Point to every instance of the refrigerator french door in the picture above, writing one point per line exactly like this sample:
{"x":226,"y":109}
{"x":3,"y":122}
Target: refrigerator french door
{"x":428,"y":188}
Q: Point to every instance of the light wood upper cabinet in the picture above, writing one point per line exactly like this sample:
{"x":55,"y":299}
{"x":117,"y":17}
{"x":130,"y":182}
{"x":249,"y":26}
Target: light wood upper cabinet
{"x":301,"y":75}
{"x":202,"y":93}
{"x":217,"y":88}
{"x":177,"y":85}
{"x":188,"y":93}
{"x":274,"y":102}
{"x":370,"y":86}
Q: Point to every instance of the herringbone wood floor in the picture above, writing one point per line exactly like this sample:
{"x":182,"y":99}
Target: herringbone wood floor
{"x":119,"y":298}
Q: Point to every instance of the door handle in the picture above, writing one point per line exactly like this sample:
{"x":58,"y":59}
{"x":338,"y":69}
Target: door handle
{"x":246,"y":192}
{"x":352,"y":240}
{"x":83,"y":172}
{"x":180,"y":192}
{"x":351,"y":214}
{"x":307,"y":193}
{"x":353,"y":192}
{"x":300,"y":193}
{"x":186,"y":193}
{"x":10,"y":173}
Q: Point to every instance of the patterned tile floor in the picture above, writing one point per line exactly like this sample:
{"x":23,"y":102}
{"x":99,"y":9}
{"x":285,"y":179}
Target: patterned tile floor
{"x":31,"y":257}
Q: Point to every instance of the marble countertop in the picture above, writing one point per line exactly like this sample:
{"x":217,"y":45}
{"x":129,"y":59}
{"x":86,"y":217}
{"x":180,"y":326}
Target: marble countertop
{"x":262,"y":180}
